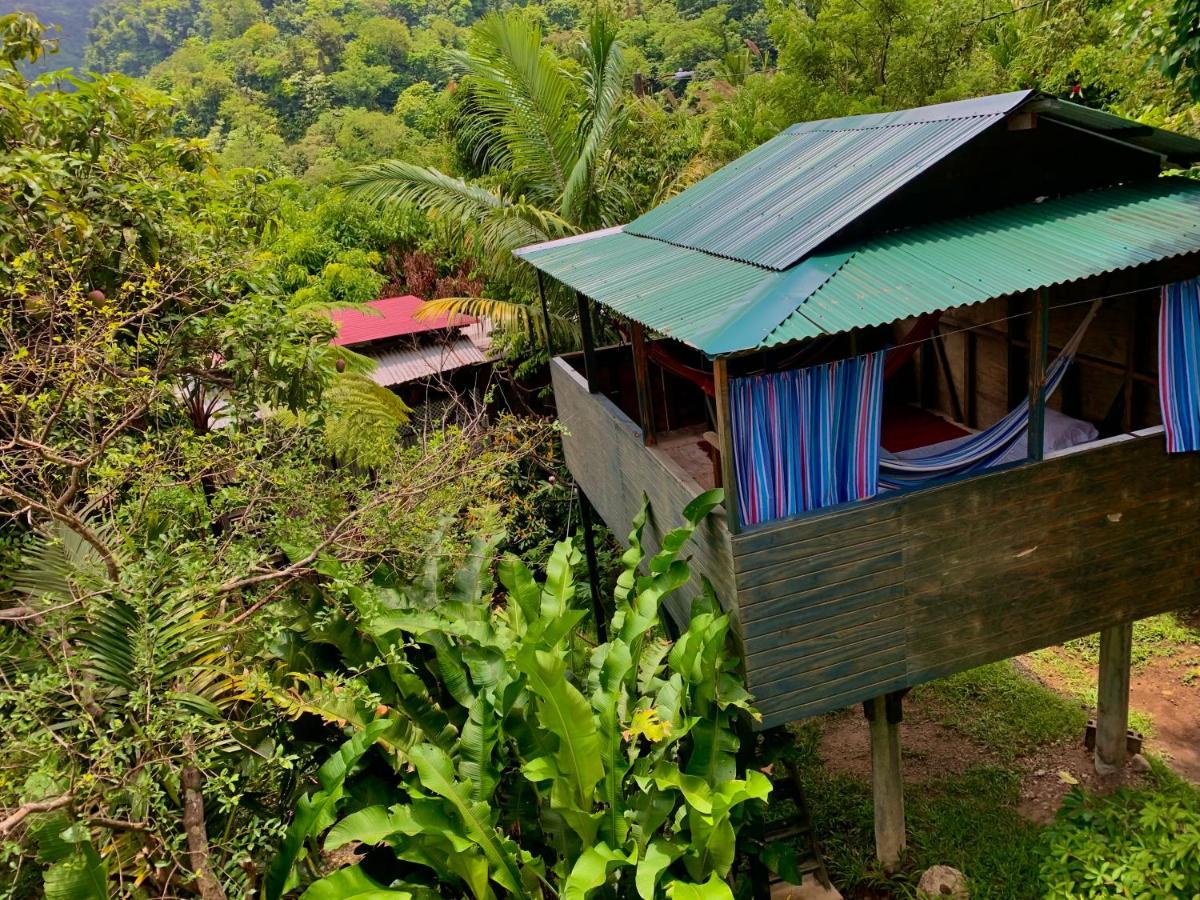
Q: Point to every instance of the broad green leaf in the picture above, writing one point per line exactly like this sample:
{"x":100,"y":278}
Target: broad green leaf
{"x":591,"y":870}
{"x":659,"y":854}
{"x":312,"y":811}
{"x":567,"y":715}
{"x":436,"y":772}
{"x":713,"y":889}
{"x":82,"y":876}
{"x":351,"y":883}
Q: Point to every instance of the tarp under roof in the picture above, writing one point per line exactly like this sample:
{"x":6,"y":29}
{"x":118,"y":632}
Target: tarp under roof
{"x":722,"y":306}
{"x":782,"y":200}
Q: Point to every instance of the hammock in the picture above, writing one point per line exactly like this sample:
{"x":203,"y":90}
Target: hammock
{"x":980,"y":450}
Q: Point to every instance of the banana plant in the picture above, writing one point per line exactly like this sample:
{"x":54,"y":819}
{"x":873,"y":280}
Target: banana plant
{"x":529,"y":763}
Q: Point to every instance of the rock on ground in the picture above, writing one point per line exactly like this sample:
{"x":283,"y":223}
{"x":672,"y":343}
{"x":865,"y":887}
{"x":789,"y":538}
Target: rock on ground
{"x":942,"y":883}
{"x":810,"y":889}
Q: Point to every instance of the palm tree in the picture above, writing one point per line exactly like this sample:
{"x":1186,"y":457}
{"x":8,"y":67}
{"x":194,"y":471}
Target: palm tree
{"x":548,"y":137}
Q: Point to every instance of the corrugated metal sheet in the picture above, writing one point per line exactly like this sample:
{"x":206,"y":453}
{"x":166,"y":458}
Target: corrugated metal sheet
{"x":388,"y":318}
{"x":780,"y":201}
{"x":721,"y":306}
{"x":400,"y":366}
{"x":1179,"y":148}
{"x":969,"y":260}
{"x":681,"y":293}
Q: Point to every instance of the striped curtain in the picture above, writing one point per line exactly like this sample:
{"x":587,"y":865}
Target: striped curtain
{"x":1179,"y":365}
{"x":807,"y":438}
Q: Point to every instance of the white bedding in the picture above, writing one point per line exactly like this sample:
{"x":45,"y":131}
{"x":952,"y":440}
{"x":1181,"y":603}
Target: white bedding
{"x":1061,"y":432}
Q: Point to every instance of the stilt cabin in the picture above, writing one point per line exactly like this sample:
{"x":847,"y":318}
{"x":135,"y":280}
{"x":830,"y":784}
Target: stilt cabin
{"x":943,"y":363}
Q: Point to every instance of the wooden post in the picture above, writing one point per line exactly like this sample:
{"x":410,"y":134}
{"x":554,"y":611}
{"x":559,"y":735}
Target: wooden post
{"x":884,"y":715}
{"x":545,"y":314}
{"x":1039,"y":327}
{"x":589,"y":341}
{"x":641,"y":378}
{"x":593,"y":567}
{"x":1112,"y":707}
{"x":725,"y":438}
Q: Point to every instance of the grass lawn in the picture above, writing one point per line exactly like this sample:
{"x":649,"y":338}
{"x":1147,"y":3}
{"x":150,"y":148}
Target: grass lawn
{"x":1003,"y":725}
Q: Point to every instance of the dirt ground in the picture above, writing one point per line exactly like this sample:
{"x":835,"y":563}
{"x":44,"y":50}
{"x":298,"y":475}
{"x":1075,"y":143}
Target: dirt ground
{"x":932,"y":750}
{"x":1167,"y":690}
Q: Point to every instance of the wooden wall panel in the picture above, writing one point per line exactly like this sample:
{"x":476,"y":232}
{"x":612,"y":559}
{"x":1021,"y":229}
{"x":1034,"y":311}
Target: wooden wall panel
{"x":840,"y":607}
{"x":605,"y":454}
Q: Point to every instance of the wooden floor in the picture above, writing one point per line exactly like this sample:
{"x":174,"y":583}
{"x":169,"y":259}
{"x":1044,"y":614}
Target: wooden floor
{"x":686,"y":447}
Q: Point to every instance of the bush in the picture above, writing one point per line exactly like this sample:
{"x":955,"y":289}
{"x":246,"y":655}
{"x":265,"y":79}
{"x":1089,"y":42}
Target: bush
{"x":521,"y":755}
{"x":1134,"y":843}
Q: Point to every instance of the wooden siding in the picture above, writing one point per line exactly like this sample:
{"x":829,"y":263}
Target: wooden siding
{"x":605,"y":454}
{"x":841,"y":607}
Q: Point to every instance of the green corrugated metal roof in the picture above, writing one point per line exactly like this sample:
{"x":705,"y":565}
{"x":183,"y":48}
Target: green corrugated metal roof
{"x":722,"y":306}
{"x":781,"y":200}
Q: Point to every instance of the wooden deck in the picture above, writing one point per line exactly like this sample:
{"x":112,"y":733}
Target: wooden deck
{"x":841,"y":606}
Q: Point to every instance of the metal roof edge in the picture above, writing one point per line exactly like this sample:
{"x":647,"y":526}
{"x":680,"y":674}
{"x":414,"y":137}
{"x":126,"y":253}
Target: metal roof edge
{"x":969,"y":108}
{"x":774,"y":302}
{"x":524,"y":252}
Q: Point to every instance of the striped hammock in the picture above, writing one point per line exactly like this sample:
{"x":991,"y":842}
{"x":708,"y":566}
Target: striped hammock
{"x":981,"y":450}
{"x":1179,"y":365}
{"x":808,"y":438}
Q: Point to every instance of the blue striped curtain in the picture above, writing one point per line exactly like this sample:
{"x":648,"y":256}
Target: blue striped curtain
{"x":1179,"y":365}
{"x":808,"y":438}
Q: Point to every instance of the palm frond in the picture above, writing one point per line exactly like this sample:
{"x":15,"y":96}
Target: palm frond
{"x":606,"y":74}
{"x":508,"y":315}
{"x":49,"y":565}
{"x":501,"y":224}
{"x":524,"y":96}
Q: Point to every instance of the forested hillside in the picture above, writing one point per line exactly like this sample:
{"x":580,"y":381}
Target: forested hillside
{"x":256,"y":639}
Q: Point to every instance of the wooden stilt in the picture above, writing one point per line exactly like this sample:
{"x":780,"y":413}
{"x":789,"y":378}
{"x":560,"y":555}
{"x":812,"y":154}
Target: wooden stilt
{"x":589,"y":341}
{"x":884,"y":715}
{"x":593,"y":567}
{"x":1112,"y":708}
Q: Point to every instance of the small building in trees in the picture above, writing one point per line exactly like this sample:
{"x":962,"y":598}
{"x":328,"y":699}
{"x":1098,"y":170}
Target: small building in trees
{"x":427,"y":360}
{"x":945,"y":363}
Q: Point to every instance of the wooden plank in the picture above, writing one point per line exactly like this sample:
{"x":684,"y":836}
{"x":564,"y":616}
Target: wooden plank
{"x":887,"y":785}
{"x":1112,"y":705}
{"x":725,"y":438}
{"x":604,"y":451}
{"x":1039,"y":328}
{"x":641,"y":377}
{"x":989,"y":567}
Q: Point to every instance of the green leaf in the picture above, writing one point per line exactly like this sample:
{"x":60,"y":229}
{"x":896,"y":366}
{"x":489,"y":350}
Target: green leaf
{"x":591,"y":870}
{"x":713,"y":889}
{"x":436,"y":772}
{"x":567,"y":715}
{"x":659,"y":854}
{"x":83,"y":876}
{"x":312,"y":812}
{"x":351,"y":883}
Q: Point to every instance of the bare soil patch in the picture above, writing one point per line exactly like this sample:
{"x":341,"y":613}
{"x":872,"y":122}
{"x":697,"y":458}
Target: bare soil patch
{"x":932,"y":750}
{"x":1167,"y":690}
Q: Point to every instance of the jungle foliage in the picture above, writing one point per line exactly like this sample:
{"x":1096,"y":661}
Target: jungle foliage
{"x":251,"y":641}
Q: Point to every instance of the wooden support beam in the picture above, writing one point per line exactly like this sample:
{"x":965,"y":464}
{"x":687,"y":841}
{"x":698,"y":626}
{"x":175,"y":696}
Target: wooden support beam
{"x":1039,"y":328}
{"x":545,"y":314}
{"x":970,"y":370}
{"x":725,"y":437}
{"x":884,"y":715}
{"x":587,"y":517}
{"x":939,"y":346}
{"x":589,"y":341}
{"x":641,"y":378}
{"x":1112,"y":708}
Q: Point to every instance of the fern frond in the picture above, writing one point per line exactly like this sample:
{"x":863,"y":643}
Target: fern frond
{"x":361,"y":420}
{"x":507,"y":315}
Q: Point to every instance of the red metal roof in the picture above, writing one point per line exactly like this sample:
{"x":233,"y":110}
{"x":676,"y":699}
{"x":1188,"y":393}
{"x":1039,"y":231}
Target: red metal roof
{"x":396,"y":317}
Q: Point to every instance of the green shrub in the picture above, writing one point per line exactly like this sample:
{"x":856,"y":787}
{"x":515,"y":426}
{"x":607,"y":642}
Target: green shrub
{"x":1134,"y":843}
{"x":525,"y":761}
